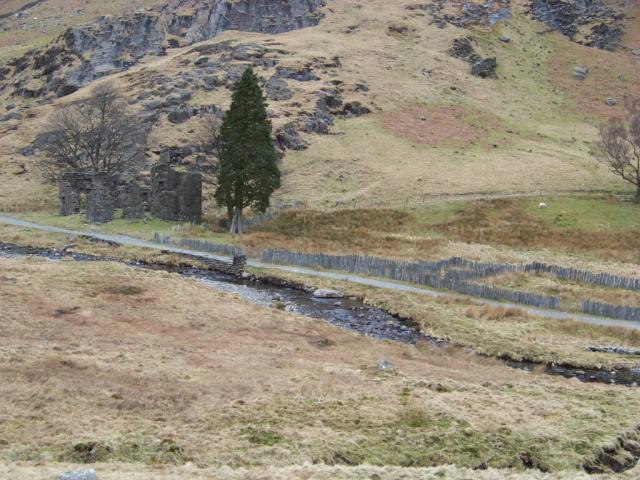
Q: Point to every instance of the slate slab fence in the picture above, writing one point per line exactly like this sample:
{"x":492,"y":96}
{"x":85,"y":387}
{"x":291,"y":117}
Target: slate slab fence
{"x":450,"y":274}
{"x":582,"y":276}
{"x":199,"y":245}
{"x":611,"y":311}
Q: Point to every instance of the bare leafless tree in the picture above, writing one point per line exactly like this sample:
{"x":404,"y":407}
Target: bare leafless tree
{"x":619,"y":146}
{"x":210,"y":134}
{"x":97,"y":135}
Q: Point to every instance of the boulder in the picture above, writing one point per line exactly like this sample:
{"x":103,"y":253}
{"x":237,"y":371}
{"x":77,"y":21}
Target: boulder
{"x":85,"y":474}
{"x":612,"y":102}
{"x":463,"y":48}
{"x":201,"y":60}
{"x":354,"y":109}
{"x":580,"y":72}
{"x":327,"y":293}
{"x":181,"y":114}
{"x":278,"y":89}
{"x":301,"y":74}
{"x":485,"y":68}
{"x":287,"y":138}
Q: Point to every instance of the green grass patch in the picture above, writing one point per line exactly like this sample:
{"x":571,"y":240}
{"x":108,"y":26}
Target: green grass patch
{"x":587,"y":214}
{"x":262,"y":437}
{"x":142,"y":450}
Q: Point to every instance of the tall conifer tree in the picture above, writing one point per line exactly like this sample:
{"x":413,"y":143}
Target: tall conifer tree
{"x":248,"y":173}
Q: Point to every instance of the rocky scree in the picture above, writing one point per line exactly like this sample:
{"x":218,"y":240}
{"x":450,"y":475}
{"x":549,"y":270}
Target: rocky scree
{"x":594,"y":23}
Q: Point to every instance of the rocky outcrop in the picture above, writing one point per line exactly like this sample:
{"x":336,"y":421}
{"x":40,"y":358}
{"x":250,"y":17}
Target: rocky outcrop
{"x":207,"y":19}
{"x":480,"y":67}
{"x":465,"y":14}
{"x":594,"y":23}
{"x":113,"y":44}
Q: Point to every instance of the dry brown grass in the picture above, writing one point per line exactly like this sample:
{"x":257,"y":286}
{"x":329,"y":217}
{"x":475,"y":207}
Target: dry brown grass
{"x":488,"y":312}
{"x":361,"y":231}
{"x":610,"y":75}
{"x":153,"y":378}
{"x":504,"y":222}
{"x":438,"y":125}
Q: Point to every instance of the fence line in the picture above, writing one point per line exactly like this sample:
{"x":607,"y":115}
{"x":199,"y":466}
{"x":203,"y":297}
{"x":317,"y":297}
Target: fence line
{"x":451,"y":274}
{"x":446,"y":274}
{"x":200,"y":245}
{"x":612,"y":311}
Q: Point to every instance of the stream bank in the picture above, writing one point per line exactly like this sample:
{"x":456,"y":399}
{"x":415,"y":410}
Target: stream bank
{"x":349,"y":313}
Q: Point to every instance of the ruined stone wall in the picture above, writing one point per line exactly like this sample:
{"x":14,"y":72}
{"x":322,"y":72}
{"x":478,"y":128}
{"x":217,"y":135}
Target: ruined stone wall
{"x":132,"y":200}
{"x":71,"y":187}
{"x":176,"y":196}
{"x":101,"y":200}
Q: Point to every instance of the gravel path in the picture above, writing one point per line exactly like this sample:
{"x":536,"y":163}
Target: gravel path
{"x":388,"y":285}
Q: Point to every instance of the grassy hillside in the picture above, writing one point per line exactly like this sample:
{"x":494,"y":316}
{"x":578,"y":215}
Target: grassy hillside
{"x":435,"y":132}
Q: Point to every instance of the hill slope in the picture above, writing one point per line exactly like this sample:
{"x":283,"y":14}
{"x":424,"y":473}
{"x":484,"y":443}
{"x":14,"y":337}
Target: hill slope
{"x":433,"y":129}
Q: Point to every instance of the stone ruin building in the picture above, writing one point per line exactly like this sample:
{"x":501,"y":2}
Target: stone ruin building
{"x":175,"y":195}
{"x":98,"y":191}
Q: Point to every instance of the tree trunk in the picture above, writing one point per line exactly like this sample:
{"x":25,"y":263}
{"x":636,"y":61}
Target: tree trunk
{"x":236,"y":224}
{"x":230,"y":213}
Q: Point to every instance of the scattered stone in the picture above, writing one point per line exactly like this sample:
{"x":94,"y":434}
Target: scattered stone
{"x":580,"y":72}
{"x":287,"y":138}
{"x":504,"y":39}
{"x":355,"y":109}
{"x":362,"y":86}
{"x":302,"y":74}
{"x":278,"y":89}
{"x":572,"y":19}
{"x":86,"y":474}
{"x":385,"y":365}
{"x":185,"y":95}
{"x":614,"y":349}
{"x":211,"y":83}
{"x":327,"y":293}
{"x":485,"y":68}
{"x":542,"y":205}
{"x":154,"y":104}
{"x":201,"y":60}
{"x":181,"y":114}
{"x":612,"y":102}
{"x":463,"y":48}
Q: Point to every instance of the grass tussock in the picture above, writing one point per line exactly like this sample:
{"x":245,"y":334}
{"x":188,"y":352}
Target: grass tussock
{"x":507,"y":222}
{"x":487,"y":312}
{"x":361,"y":231}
